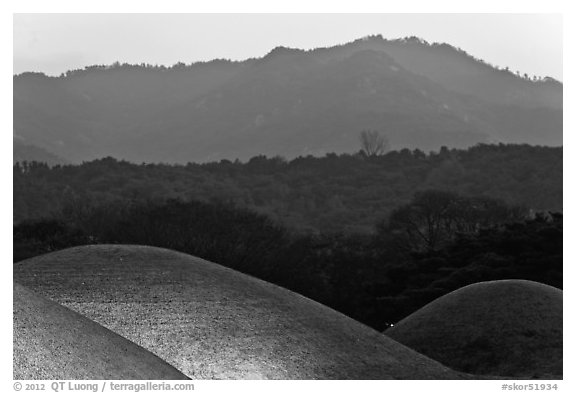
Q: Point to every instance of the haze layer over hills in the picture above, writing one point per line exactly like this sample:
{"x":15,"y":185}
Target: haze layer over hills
{"x":23,"y":152}
{"x":211,"y":322}
{"x":290,"y":103}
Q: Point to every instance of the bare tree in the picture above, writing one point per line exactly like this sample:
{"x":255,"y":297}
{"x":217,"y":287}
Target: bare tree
{"x":374,"y":143}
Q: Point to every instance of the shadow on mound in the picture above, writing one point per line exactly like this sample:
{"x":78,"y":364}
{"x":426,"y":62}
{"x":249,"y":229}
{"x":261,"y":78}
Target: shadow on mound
{"x":212,"y":322}
{"x":510,"y":328}
{"x":53,"y":342}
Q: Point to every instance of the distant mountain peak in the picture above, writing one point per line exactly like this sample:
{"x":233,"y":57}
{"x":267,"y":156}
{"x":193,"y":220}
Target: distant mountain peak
{"x":380,"y":38}
{"x":282,"y":51}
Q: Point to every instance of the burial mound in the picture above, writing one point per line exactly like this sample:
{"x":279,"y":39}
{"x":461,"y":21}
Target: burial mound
{"x":53,"y":342}
{"x":509,"y":328}
{"x":211,"y":322}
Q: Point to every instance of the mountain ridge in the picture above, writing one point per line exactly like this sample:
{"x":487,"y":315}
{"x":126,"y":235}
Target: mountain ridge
{"x":289,"y":102}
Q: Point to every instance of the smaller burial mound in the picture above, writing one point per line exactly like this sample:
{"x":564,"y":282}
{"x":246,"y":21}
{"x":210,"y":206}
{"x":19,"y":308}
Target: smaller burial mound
{"x":53,"y":342}
{"x":212,"y":322}
{"x":510,"y":328}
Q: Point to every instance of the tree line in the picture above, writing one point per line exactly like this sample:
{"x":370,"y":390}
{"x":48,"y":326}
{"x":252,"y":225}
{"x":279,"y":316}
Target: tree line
{"x":347,"y":193}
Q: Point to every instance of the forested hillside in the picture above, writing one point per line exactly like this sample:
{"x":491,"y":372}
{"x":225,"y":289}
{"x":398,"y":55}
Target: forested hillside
{"x":334,"y":193}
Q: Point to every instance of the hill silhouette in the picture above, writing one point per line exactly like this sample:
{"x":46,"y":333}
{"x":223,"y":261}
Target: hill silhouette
{"x":290,"y":102}
{"x":212,"y":322}
{"x":53,"y":342}
{"x":510,"y":328}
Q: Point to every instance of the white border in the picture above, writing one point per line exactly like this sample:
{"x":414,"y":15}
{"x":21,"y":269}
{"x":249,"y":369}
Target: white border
{"x":302,"y":6}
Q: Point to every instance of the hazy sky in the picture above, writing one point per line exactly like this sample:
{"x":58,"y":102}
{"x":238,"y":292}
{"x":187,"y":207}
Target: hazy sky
{"x":54,"y":43}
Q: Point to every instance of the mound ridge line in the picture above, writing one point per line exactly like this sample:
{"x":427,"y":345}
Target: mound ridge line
{"x":214,"y":323}
{"x":53,"y":342}
{"x":511,"y":328}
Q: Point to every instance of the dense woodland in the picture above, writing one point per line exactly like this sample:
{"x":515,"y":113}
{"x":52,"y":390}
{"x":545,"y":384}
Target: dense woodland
{"x":373,"y":237}
{"x":331,"y":194}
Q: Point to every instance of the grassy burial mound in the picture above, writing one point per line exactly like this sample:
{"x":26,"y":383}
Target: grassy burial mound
{"x":509,"y":328}
{"x":212,"y":322}
{"x":54,"y":342}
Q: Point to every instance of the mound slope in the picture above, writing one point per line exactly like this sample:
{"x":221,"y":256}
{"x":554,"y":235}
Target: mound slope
{"x":212,"y":322}
{"x":53,"y":342}
{"x":508,"y":328}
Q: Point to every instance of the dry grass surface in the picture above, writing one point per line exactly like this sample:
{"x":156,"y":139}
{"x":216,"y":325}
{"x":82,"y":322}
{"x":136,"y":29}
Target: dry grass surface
{"x":53,"y":342}
{"x":214,"y":323}
{"x":510,"y":328}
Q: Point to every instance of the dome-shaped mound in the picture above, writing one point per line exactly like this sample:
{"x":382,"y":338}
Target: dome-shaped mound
{"x":212,"y":322}
{"x":54,"y":342}
{"x":509,"y":328}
